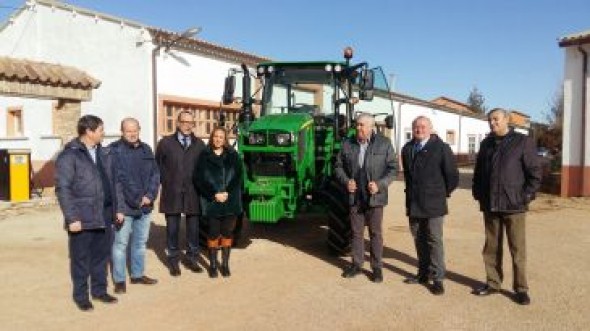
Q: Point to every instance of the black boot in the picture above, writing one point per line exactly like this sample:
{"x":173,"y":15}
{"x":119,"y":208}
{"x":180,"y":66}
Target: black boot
{"x":213,"y":262}
{"x":225,"y":261}
{"x":173,"y":265}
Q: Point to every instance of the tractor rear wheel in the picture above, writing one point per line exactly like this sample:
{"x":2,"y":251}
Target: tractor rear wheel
{"x":335,"y":199}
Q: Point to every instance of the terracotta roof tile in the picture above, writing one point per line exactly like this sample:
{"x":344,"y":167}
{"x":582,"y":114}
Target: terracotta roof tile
{"x":45,"y":73}
{"x":575,"y":39}
{"x":162,"y":37}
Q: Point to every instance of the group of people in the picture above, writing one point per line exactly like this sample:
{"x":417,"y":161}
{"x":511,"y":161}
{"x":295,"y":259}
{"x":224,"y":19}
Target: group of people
{"x":107,"y":196}
{"x":506,"y":177}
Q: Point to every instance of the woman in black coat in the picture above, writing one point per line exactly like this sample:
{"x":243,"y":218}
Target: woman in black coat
{"x":218,"y":178}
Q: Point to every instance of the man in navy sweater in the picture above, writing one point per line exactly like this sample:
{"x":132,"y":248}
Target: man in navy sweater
{"x":136,"y":185}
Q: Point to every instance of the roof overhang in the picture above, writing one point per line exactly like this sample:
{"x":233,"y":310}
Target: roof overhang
{"x":20,"y":77}
{"x":165,"y":38}
{"x":576,"y":39}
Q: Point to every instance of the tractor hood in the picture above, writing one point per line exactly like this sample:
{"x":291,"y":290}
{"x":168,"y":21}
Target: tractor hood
{"x":281,"y":122}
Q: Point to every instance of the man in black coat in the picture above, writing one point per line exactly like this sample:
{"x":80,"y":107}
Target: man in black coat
{"x":84,"y":189}
{"x":431,"y":175}
{"x":506,"y":178}
{"x":177,"y":155}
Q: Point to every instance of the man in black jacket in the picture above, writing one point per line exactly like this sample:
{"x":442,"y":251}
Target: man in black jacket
{"x":506,"y":177}
{"x":85,"y":193}
{"x":177,"y":155}
{"x":136,"y":186}
{"x":365,"y":167}
{"x":430,"y":174}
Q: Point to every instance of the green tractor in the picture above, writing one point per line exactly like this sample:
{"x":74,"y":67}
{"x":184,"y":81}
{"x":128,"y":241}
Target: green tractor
{"x":288,"y":152}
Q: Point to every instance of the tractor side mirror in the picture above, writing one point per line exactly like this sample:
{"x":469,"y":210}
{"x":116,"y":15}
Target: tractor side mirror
{"x":366,"y":85}
{"x":389,"y":122}
{"x":229,"y":89}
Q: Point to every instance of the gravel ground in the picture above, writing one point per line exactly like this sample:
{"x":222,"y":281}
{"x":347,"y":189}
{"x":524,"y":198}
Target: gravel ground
{"x":285,"y":279}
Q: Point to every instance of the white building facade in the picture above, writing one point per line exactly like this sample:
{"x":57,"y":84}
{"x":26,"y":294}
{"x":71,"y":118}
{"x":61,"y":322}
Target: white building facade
{"x":575,"y":176}
{"x":152,"y":74}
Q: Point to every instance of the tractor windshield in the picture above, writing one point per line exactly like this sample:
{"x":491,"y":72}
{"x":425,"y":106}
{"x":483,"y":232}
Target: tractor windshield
{"x":298,"y":90}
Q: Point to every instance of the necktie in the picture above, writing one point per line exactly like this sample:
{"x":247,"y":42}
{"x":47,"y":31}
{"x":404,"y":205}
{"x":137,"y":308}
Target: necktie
{"x":184,"y":142}
{"x":417,"y":148}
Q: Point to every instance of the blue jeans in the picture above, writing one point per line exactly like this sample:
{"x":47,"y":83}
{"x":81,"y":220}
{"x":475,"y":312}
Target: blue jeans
{"x":135,"y":229}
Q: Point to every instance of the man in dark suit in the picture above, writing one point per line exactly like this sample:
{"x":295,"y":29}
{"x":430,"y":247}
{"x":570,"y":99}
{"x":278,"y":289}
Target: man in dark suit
{"x":177,"y":155}
{"x":430,"y":174}
{"x":506,"y":178}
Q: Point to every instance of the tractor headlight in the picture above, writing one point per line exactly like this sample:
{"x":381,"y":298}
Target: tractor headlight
{"x":260,"y":71}
{"x":283,"y":139}
{"x":256,"y":139}
{"x":328,"y":68}
{"x":337,"y":68}
{"x":270,"y":69}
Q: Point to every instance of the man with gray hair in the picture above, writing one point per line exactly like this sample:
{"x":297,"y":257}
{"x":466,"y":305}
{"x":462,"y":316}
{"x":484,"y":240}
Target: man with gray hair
{"x":506,"y":178}
{"x":430,"y":175}
{"x":136,"y":184}
{"x":366,"y":165}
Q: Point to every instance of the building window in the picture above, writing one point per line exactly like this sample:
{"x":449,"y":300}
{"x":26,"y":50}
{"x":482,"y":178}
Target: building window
{"x":451,"y":137}
{"x":471,"y":142}
{"x":407,"y":135}
{"x":14,"y":122}
{"x":206,"y":117}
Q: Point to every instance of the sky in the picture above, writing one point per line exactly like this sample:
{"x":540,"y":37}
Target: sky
{"x":507,"y":49}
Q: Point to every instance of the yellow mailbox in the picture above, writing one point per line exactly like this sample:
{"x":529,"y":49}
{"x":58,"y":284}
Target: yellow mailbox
{"x":15,"y":170}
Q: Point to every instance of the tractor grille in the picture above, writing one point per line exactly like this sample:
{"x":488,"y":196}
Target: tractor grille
{"x":269,"y":164}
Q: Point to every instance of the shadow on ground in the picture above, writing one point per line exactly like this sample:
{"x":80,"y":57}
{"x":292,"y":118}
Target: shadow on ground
{"x":308,"y":235}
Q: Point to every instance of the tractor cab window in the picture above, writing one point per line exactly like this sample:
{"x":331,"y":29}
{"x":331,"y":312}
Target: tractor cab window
{"x":298,"y":91}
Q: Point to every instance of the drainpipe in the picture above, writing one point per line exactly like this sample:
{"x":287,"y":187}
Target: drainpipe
{"x":583,"y":135}
{"x":459,"y":135}
{"x":155,"y":53}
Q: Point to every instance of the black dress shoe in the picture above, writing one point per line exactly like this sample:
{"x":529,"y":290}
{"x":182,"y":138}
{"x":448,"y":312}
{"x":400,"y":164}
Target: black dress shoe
{"x":193,"y":266}
{"x":437,"y":288}
{"x":120,"y":288}
{"x":85,"y":305}
{"x":105,"y":298}
{"x":485,"y":291}
{"x":351,"y":271}
{"x":416,"y":280}
{"x":145,"y":280}
{"x":522,"y":298}
{"x":377,"y":275}
{"x":174,"y":270}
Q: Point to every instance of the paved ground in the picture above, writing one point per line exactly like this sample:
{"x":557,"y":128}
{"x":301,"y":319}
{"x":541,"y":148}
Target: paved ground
{"x":284,"y":279}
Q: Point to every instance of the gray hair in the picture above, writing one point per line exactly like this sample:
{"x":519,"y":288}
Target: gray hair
{"x":504,"y":112}
{"x":366,"y":117}
{"x":129,"y":120}
{"x":422,"y":117}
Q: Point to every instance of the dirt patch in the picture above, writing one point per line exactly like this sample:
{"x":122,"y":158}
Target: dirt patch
{"x":286,"y":279}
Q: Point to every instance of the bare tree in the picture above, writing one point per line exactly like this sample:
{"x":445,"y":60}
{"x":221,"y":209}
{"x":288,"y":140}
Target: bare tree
{"x":552,"y":136}
{"x":476,"y":101}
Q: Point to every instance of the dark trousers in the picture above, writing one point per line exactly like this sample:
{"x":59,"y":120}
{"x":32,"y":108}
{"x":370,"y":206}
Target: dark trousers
{"x":373,"y":218}
{"x":222,"y":226}
{"x":172,"y":234}
{"x":89,"y":255}
{"x":495,"y":223}
{"x":428,"y":234}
